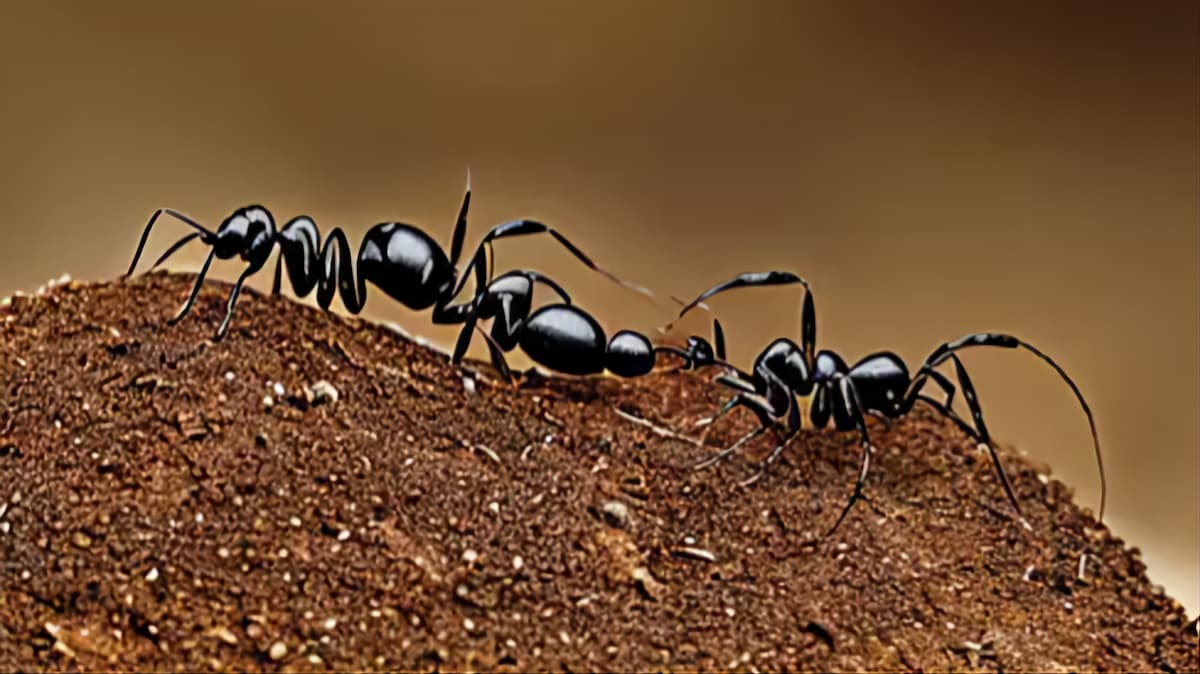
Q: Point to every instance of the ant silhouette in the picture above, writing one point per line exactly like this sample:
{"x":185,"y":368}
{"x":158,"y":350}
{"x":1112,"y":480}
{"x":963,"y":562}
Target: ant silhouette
{"x":399,"y":259}
{"x":878,"y":385}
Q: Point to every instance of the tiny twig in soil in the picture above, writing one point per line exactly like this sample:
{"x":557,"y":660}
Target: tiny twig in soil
{"x":658,"y":430}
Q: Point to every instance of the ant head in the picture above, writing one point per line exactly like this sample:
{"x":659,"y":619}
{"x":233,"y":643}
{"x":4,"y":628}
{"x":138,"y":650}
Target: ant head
{"x":699,"y":352}
{"x":250,"y":233}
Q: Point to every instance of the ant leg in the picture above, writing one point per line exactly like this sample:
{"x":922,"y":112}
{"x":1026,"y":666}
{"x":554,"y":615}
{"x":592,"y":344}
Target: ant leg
{"x":714,"y":458}
{"x":759,"y":405}
{"x":849,"y":397}
{"x":941,"y":380}
{"x":497,"y":355}
{"x":464,"y":338}
{"x":970,"y":431}
{"x":985,"y":439}
{"x":233,"y":297}
{"x":738,"y":381}
{"x":150,"y":225}
{"x":277,"y":284}
{"x":965,"y":427}
{"x":943,"y":352}
{"x":456,"y":313}
{"x":793,"y":433}
{"x":522,"y":227}
{"x":734,"y":383}
{"x":187,"y":306}
{"x":808,"y":329}
{"x":748,"y":279}
{"x":719,"y":339}
{"x":452,"y":315}
{"x":174,"y":247}
{"x":460,"y":226}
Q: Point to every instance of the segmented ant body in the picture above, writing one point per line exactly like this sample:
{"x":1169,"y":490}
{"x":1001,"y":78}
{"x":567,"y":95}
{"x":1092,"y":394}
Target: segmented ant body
{"x":563,"y":337}
{"x":399,"y":259}
{"x":878,"y":384}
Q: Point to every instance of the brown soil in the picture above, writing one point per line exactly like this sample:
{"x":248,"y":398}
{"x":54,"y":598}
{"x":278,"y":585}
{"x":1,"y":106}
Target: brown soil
{"x":157,"y":512}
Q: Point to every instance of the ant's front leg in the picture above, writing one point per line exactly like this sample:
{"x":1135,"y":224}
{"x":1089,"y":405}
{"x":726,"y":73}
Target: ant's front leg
{"x":794,"y":427}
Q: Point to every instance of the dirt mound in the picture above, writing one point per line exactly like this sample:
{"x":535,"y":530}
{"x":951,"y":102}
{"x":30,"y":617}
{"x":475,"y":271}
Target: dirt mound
{"x":316,"y":492}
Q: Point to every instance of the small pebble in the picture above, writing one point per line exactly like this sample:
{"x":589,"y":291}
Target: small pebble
{"x":278,"y":650}
{"x":81,"y":540}
{"x":229,"y":375}
{"x":330,"y":624}
{"x":278,"y":389}
{"x":616,"y":514}
{"x":224,"y":634}
{"x":321,"y":392}
{"x":518,"y":563}
{"x":152,"y":574}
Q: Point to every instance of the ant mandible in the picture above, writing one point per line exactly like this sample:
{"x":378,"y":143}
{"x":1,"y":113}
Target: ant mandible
{"x":878,"y":384}
{"x":399,"y":259}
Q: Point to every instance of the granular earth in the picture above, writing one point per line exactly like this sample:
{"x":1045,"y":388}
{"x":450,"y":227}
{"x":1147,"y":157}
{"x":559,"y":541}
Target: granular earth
{"x":171,"y":503}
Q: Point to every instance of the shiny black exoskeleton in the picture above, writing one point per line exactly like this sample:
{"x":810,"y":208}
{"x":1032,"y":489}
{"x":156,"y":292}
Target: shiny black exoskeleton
{"x":563,"y":337}
{"x":879,"y":385}
{"x":399,"y":259}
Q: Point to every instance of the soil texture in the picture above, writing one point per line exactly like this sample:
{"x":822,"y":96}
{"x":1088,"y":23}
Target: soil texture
{"x":316,"y":492}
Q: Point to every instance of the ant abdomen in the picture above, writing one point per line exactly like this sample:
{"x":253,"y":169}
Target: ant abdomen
{"x":406,"y":264}
{"x":564,"y":338}
{"x":630,"y":354}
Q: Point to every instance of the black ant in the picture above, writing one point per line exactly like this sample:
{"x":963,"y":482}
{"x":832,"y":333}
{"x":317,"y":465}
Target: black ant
{"x":878,"y":384}
{"x":564,"y":337}
{"x":399,"y":259}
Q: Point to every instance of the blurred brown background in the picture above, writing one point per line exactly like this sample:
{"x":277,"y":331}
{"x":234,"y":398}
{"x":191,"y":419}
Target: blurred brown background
{"x":934,"y":169}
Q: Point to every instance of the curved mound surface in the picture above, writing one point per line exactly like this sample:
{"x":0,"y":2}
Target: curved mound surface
{"x":316,"y":492}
